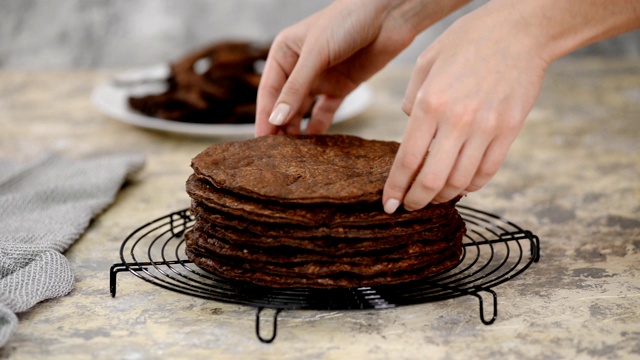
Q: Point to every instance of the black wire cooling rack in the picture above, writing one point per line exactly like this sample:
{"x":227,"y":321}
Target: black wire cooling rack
{"x":494,"y":251}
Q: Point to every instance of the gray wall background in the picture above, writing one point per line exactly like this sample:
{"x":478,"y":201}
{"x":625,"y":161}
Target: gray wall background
{"x":65,"y":34}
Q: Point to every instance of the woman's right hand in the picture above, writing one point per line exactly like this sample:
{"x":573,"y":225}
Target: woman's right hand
{"x":326,"y":56}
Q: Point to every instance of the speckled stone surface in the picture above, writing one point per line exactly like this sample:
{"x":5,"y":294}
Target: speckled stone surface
{"x":572,"y":177}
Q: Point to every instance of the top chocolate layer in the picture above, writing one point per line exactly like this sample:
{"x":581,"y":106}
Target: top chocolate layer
{"x":302,"y":169}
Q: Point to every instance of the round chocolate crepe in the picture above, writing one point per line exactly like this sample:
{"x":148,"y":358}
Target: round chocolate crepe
{"x":307,"y":278}
{"x":322,"y":244}
{"x":330,"y":214}
{"x":283,"y":254}
{"x":438,"y":225}
{"x":303,"y":169}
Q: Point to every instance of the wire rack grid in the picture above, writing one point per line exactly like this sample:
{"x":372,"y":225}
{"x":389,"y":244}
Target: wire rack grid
{"x":495,"y":250}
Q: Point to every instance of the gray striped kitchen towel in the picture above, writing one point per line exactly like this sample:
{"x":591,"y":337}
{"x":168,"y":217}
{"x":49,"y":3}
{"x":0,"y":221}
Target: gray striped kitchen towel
{"x":46,"y":205}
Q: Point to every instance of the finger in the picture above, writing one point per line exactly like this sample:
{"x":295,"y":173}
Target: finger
{"x":436,"y":169}
{"x":297,"y":87}
{"x":268,"y":91}
{"x":408,"y":160}
{"x":280,"y":62}
{"x":464,"y":169}
{"x":294,"y":126}
{"x":490,"y":164}
{"x":420,"y":72}
{"x":323,"y":112}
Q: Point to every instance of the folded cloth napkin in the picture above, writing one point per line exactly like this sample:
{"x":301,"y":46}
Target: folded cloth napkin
{"x":44,"y":207}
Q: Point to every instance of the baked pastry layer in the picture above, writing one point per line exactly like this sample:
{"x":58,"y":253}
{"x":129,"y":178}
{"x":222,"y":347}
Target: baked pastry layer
{"x":291,"y":211}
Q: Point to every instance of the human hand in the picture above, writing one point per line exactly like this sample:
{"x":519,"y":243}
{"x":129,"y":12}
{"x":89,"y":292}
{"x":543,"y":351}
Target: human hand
{"x":322,"y":59}
{"x":468,"y":97}
{"x":326,"y":56}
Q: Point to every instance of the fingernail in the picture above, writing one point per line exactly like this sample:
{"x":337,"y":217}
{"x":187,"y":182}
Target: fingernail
{"x":391,"y":206}
{"x":279,"y":114}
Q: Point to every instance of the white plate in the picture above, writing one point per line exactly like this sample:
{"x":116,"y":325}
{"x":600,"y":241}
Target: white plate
{"x":112,"y":99}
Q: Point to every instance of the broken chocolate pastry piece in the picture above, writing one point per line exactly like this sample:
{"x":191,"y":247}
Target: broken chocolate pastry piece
{"x":217,"y":84}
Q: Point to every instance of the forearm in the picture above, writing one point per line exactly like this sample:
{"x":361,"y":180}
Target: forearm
{"x":405,"y":18}
{"x":418,"y":15}
{"x":562,"y":26}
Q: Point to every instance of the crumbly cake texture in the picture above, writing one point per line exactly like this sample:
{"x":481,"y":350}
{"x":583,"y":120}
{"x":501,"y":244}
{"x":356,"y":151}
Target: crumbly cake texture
{"x":305,"y":211}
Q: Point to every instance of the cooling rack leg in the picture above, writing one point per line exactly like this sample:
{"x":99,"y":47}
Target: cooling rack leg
{"x":536,"y":244}
{"x":275,"y":326}
{"x":115,"y":269}
{"x":481,"y":303}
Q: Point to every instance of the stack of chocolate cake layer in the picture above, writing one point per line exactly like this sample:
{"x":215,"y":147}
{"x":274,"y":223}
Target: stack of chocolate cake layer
{"x":306,"y":211}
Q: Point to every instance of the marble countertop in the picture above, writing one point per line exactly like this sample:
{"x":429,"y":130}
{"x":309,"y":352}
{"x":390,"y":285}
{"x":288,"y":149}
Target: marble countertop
{"x":571,"y":177}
